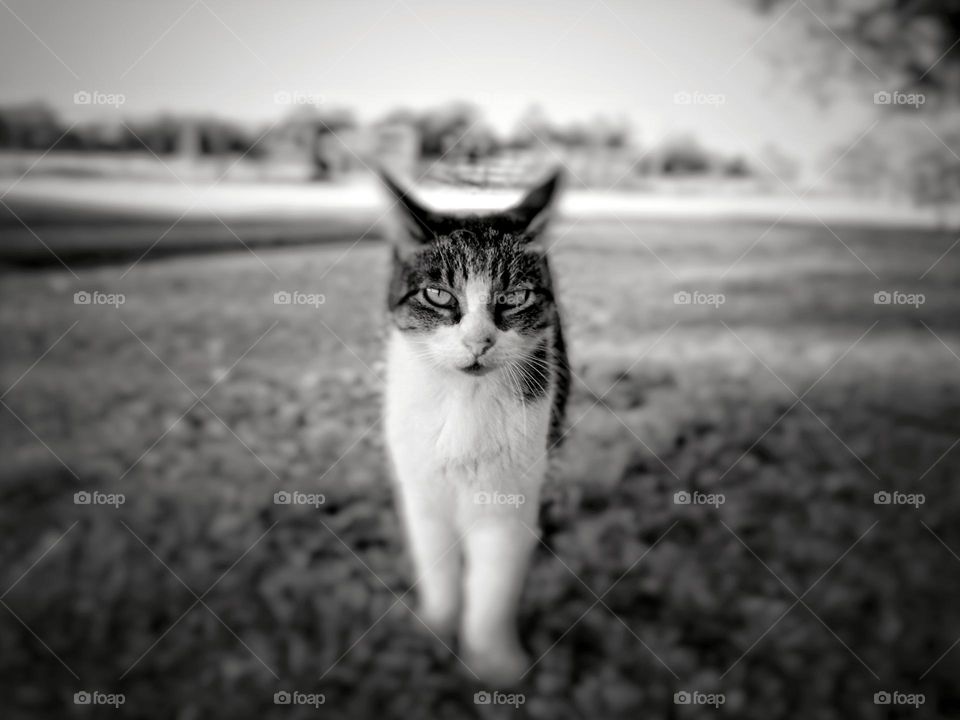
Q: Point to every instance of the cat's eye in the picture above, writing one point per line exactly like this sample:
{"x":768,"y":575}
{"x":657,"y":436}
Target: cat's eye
{"x":515,"y":298}
{"x":438,"y":297}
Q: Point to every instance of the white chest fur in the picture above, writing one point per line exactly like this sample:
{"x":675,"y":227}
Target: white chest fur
{"x":450,"y":430}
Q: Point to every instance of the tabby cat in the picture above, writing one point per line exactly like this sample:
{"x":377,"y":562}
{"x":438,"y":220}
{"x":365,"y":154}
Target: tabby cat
{"x":477,"y":379}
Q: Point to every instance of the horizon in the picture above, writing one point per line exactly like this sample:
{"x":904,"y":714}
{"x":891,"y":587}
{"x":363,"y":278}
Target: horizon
{"x":627,"y":67}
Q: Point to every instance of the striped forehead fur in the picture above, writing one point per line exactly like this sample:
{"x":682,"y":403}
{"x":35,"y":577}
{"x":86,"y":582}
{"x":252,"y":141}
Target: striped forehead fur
{"x":476,"y":250}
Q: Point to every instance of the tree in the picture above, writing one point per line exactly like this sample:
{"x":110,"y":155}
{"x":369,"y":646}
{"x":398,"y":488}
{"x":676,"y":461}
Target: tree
{"x":934,"y":177}
{"x":32,"y":126}
{"x":907,"y":52}
{"x":910,"y":45}
{"x":443,"y":129}
{"x":684,"y":155}
{"x":866,"y":167}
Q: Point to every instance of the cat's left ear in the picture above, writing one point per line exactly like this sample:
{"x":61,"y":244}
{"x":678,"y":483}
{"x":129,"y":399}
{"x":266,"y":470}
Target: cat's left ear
{"x":534,"y":211}
{"x":417,"y":224}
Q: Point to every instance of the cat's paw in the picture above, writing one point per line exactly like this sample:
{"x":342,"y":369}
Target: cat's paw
{"x":500,"y":666}
{"x":437,"y":620}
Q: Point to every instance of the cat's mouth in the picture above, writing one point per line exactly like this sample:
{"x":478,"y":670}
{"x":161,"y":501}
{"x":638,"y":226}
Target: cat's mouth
{"x":477,"y":369}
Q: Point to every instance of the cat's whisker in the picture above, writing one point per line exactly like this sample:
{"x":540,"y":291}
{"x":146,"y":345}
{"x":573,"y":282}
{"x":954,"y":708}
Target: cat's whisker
{"x":516,"y":385}
{"x":429,"y":356}
{"x":527,"y":375}
{"x":547,"y":363}
{"x":536,"y":371}
{"x":544,"y":367}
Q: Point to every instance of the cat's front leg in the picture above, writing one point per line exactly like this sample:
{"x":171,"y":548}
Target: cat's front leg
{"x":435,"y":550}
{"x":498,"y":551}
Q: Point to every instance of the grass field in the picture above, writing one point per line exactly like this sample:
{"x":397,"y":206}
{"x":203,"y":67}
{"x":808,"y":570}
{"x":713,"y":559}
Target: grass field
{"x":798,"y":597}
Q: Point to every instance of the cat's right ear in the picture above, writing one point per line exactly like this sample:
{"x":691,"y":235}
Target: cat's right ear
{"x":414,"y":224}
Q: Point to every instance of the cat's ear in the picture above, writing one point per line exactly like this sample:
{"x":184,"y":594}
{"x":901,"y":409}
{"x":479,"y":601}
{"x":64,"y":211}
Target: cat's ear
{"x":536,"y":208}
{"x":415,"y":224}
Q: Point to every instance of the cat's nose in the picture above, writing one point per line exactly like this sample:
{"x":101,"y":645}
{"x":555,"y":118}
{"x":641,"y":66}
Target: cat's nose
{"x":478,"y":334}
{"x":479,"y":345}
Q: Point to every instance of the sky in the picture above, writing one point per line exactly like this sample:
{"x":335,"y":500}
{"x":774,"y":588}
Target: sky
{"x":577,"y":60}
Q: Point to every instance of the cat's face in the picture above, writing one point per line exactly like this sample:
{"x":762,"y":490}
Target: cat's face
{"x":474,"y":300}
{"x":473,"y":295}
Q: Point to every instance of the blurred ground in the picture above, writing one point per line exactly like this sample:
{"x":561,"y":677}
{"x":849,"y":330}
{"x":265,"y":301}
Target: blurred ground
{"x":98,"y":219}
{"x":297,"y":598}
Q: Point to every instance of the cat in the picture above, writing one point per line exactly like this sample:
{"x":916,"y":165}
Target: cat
{"x":477,"y":380}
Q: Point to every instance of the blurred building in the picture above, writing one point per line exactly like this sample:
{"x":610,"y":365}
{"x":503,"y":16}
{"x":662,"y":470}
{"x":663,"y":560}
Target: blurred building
{"x":320,"y":146}
{"x":395,"y":143}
